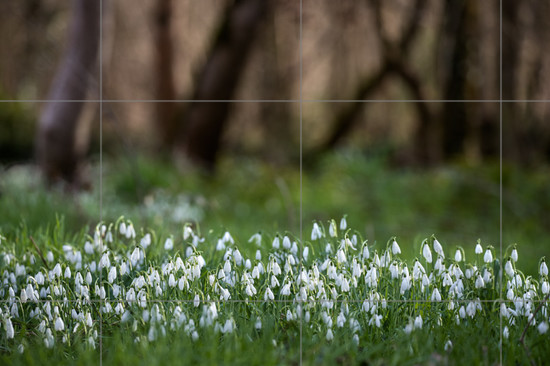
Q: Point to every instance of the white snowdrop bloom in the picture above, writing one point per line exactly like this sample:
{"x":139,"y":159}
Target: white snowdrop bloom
{"x":109,"y":237}
{"x":427,"y":253}
{"x":328,"y":248}
{"x":376,"y":320}
{"x":330,"y":335}
{"x":238,"y":257}
{"x":56,"y":270}
{"x":479,"y":282}
{"x":286,"y":289}
{"x":366,"y":254}
{"x":341,"y":320}
{"x":227,"y":268}
{"x":228,"y":326}
{"x":105,"y":262}
{"x":23,"y":296}
{"x":543,"y":270}
{"x":418,"y":322}
{"x":196,"y":301}
{"x":458,"y":255}
{"x":8,"y":325}
{"x":269,"y":295}
{"x":462,"y":312}
{"x":227,"y":238}
{"x":49,"y":339}
{"x":471,"y":309}
{"x":345,"y":285}
{"x":286,"y":242}
{"x":67,"y":273}
{"x":436,"y":296}
{"x":122,"y":228}
{"x":405,"y":285}
{"x":112,"y":274}
{"x":130,"y":232}
{"x":255,"y":272}
{"x":543,"y":327}
{"x":169,"y":244}
{"x":332,"y":229}
{"x":39,"y":278}
{"x":305,"y":253}
{"x":509,"y":269}
{"x":276,"y":242}
{"x":341,"y":256}
{"x":343,"y":224}
{"x":488,"y":257}
{"x":544,"y":287}
{"x":276,"y":269}
{"x":478,"y":249}
{"x":316,"y":233}
{"x":505,"y":332}
{"x":408,"y":328}
{"x":220,"y":246}
{"x":256,"y":239}
{"x":514,"y":255}
{"x":504,"y":310}
{"x":438,"y":248}
{"x":258,"y":255}
{"x":59,"y":325}
{"x":448,"y":345}
{"x":189,"y":252}
{"x":145,"y":241}
{"x":395,"y":248}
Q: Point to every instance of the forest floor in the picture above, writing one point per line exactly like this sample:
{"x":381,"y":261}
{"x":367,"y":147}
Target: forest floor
{"x":378,"y":322}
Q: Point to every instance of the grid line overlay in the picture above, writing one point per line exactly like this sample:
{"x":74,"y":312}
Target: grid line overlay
{"x":301,"y":102}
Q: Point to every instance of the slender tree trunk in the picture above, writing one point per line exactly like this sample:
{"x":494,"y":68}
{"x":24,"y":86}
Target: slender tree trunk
{"x":200,"y":140}
{"x":56,"y":139}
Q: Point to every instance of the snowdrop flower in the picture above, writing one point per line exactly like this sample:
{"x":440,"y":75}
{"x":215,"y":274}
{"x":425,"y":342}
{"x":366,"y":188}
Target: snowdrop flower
{"x":305,"y":253}
{"x":196,"y":301}
{"x":130,"y":232}
{"x":256,"y":239}
{"x":543,"y":270}
{"x":436,"y":296}
{"x":427,"y":253}
{"x":286,"y":289}
{"x":514,"y":255}
{"x":343,"y":224}
{"x":286,"y":242}
{"x":479,"y":282}
{"x":59,"y":325}
{"x":112,"y":274}
{"x":355,"y":339}
{"x":276,"y":242}
{"x":316,"y":233}
{"x":395,"y":248}
{"x":509,"y":269}
{"x":269,"y":295}
{"x":330,"y":335}
{"x":341,"y":256}
{"x":458,"y":255}
{"x":227,"y":238}
{"x":438,"y":248}
{"x":10,"y":332}
{"x":488,"y":257}
{"x":169,"y":244}
{"x":408,"y":328}
{"x":258,"y":324}
{"x":505,"y":332}
{"x":448,"y":345}
{"x":418,"y":322}
{"x":543,"y":327}
{"x":238,"y":257}
{"x":544,"y":287}
{"x":122,"y":228}
{"x":332,"y":229}
{"x":478,"y":249}
{"x":462,"y":312}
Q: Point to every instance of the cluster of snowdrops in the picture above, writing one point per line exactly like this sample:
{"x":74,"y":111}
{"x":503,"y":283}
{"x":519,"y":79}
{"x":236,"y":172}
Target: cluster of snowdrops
{"x":60,"y":292}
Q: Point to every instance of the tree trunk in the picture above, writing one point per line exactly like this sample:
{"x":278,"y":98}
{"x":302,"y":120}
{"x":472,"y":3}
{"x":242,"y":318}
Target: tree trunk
{"x":164,"y":71}
{"x":56,"y":139}
{"x":200,"y":140}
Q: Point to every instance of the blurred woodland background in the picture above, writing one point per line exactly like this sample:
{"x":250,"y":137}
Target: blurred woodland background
{"x":414,"y":81}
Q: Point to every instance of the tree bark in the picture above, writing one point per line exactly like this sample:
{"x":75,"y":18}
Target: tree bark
{"x":56,"y":138}
{"x":164,"y":71}
{"x":200,"y":140}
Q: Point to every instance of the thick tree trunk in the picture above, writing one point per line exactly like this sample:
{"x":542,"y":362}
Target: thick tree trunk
{"x":56,"y":139}
{"x":200,"y":140}
{"x":164,"y":71}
